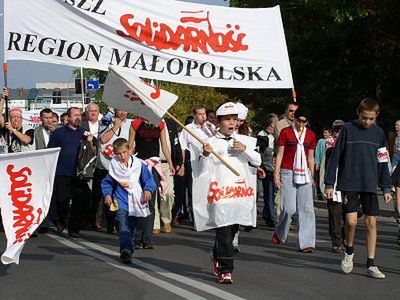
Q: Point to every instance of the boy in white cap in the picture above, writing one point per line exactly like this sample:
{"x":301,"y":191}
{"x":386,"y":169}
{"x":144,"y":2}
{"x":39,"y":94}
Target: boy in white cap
{"x":227,"y":188}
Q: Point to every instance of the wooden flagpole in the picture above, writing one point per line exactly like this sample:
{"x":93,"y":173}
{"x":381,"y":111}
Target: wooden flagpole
{"x":203,"y":143}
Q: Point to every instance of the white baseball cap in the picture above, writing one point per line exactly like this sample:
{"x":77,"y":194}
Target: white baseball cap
{"x":228,"y":108}
{"x":242,"y":111}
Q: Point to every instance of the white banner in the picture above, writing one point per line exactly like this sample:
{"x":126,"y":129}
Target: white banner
{"x":25,"y":193}
{"x":166,"y":40}
{"x":128,"y":92}
{"x":219,"y":197}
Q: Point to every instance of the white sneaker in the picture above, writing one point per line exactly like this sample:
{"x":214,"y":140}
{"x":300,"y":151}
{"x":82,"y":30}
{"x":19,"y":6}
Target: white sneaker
{"x":375,"y":273}
{"x":347,"y":263}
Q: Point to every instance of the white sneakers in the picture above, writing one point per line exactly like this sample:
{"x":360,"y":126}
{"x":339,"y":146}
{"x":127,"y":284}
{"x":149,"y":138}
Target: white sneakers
{"x":347,"y":267}
{"x":347,"y":263}
{"x":375,"y":273}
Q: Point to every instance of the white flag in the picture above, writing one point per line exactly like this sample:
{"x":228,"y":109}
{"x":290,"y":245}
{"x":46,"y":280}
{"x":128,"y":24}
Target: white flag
{"x":25,"y":194}
{"x":128,"y":92}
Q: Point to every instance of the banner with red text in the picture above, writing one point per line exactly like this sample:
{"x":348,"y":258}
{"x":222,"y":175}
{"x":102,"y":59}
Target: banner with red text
{"x":221,"y":198}
{"x":128,"y":92}
{"x":167,"y":40}
{"x":25,"y":193}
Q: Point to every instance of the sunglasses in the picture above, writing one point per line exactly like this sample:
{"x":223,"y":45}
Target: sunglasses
{"x":302,"y":121}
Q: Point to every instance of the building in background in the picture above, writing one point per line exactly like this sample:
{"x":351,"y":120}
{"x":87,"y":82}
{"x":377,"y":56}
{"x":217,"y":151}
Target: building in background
{"x":53,"y":95}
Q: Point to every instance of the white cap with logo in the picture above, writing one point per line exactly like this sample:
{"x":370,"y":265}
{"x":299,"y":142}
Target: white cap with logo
{"x":228,"y":108}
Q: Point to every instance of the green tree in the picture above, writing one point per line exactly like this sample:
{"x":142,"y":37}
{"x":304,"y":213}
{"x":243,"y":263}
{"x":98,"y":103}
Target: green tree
{"x":191,"y":96}
{"x":340,"y":52}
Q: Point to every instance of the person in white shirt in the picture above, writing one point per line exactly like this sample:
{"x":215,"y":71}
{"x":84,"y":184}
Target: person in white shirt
{"x":198,"y":126}
{"x":190,"y":145}
{"x":92,"y":122}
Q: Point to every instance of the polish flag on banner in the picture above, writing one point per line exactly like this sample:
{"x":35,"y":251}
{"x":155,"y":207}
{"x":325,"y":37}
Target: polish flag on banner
{"x":126,"y":91}
{"x":25,"y":193}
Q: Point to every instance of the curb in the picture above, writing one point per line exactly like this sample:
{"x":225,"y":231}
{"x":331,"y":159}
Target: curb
{"x":382,"y":212}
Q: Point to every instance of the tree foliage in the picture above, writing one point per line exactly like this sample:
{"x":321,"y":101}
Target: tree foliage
{"x":340,"y":52}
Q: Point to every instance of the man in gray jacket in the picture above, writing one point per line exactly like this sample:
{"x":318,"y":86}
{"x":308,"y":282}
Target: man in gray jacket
{"x":41,"y":139}
{"x":43,"y":131}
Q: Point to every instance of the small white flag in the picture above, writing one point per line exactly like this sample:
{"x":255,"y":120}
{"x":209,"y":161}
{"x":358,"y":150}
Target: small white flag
{"x":123,"y":90}
{"x":25,"y":194}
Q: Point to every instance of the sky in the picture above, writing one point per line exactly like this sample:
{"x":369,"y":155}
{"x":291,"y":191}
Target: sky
{"x":26,"y":73}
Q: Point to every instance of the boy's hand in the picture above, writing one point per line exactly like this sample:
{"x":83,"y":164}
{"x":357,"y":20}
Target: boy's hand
{"x":388,"y":197}
{"x":329,"y":193}
{"x":108,"y":200}
{"x":147,"y":196}
{"x":238,"y":146}
{"x":207,"y":149}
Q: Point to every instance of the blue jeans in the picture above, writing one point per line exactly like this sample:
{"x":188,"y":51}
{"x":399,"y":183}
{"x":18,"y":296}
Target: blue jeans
{"x":127,"y":228}
{"x":269,"y":197}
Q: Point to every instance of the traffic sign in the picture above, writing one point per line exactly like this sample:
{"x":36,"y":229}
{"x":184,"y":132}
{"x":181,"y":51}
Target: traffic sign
{"x":92,"y":85}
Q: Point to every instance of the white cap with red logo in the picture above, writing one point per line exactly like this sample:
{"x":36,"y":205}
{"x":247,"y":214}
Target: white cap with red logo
{"x":228,"y":108}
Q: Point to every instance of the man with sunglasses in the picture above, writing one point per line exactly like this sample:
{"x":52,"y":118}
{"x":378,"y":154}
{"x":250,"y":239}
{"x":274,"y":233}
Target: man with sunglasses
{"x":287,"y":121}
{"x":294,"y":170}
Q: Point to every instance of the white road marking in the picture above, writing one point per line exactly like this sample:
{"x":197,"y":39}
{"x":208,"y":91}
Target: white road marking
{"x":193,"y":283}
{"x":138,"y":273}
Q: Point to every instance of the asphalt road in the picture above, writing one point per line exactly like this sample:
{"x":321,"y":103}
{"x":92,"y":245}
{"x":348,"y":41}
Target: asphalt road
{"x":56,"y":267}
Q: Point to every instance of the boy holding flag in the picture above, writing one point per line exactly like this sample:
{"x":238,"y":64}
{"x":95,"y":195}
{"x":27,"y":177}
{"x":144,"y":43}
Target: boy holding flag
{"x":230,"y":198}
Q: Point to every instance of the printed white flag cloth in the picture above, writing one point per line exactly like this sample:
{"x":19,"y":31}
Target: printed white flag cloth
{"x":219,"y":197}
{"x":168,"y":40}
{"x":25,"y":193}
{"x":126,"y":91}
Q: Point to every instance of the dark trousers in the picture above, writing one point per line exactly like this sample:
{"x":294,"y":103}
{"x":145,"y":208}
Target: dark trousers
{"x":65,"y":189}
{"x":97,"y":194}
{"x":126,"y":229}
{"x":144,"y":226}
{"x":336,"y":222}
{"x":223,"y":248}
{"x":269,"y":197}
{"x":181,"y":184}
